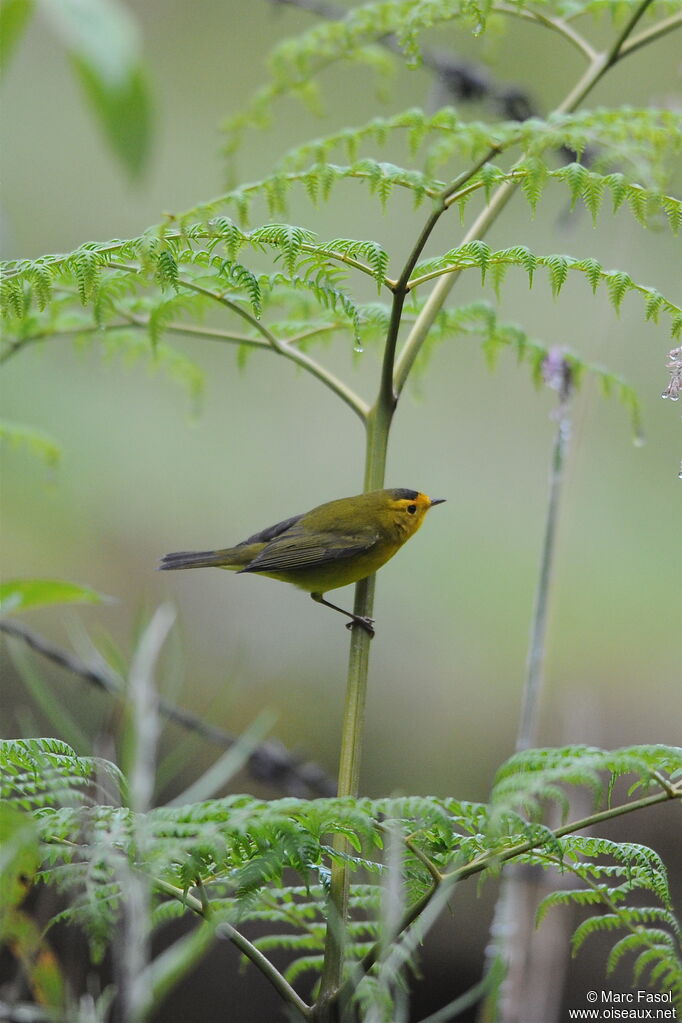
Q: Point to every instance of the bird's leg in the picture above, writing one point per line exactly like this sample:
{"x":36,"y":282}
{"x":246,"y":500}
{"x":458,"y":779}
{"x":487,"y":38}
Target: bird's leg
{"x":365,"y":623}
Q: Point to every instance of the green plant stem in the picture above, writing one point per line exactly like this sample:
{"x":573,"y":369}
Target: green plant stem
{"x":650,"y":34}
{"x":438,"y":296}
{"x":282,"y":986}
{"x":378,"y":426}
{"x":555,"y":24}
{"x":615,"y":49}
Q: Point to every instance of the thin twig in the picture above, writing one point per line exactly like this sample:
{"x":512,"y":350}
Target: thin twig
{"x":614,"y":51}
{"x":278,"y":345}
{"x":649,"y":34}
{"x":270,"y":762}
{"x":282,"y":986}
{"x":555,"y":24}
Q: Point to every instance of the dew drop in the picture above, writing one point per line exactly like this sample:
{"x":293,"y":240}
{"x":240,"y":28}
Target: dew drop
{"x":638,"y":440}
{"x":357,"y":347}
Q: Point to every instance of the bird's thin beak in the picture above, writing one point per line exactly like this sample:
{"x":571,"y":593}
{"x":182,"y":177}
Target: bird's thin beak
{"x":437,"y":500}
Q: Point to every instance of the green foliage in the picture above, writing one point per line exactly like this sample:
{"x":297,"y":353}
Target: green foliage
{"x":653,"y":931}
{"x":18,"y":595}
{"x":103,"y":45}
{"x":38,"y":773}
{"x":131,"y":296}
{"x":645,"y":141}
{"x":478,"y":255}
{"x":239,"y":859}
{"x":296,"y":64}
{"x":14,"y":17}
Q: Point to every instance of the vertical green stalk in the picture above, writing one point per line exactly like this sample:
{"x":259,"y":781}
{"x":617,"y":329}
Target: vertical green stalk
{"x":378,"y":428}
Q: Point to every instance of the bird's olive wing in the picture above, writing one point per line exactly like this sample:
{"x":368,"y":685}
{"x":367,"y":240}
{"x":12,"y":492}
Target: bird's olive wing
{"x":272,"y":531}
{"x":301,"y":550}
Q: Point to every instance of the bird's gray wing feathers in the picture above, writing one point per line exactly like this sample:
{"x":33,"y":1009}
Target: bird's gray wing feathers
{"x":265,"y":535}
{"x":298,"y":550}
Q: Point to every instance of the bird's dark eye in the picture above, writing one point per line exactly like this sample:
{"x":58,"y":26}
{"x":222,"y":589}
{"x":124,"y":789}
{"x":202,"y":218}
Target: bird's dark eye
{"x":411,"y":508}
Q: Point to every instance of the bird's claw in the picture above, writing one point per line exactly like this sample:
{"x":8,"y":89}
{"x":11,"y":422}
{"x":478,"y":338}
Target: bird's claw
{"x":364,"y":622}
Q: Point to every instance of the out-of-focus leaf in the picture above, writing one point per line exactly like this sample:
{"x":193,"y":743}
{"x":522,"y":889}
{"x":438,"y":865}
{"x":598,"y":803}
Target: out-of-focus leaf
{"x":19,"y":860}
{"x":26,"y":594}
{"x":38,"y":443}
{"x":19,"y":857}
{"x":124,"y":113}
{"x":24,"y":938}
{"x":103,"y":41}
{"x":14,"y":17}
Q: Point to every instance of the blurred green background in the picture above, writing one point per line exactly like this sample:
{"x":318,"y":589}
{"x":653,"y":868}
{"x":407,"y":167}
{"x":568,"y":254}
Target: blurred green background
{"x":142,"y":475}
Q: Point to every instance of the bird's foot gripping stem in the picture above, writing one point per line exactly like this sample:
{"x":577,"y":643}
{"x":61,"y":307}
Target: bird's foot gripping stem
{"x":365,"y":623}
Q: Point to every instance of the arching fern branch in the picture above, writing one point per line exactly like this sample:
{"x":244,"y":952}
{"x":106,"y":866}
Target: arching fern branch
{"x":296,"y":64}
{"x":645,"y":141}
{"x":494,"y":266}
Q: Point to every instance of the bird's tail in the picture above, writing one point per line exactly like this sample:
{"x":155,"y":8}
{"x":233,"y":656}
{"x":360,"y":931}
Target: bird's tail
{"x":198,"y":559}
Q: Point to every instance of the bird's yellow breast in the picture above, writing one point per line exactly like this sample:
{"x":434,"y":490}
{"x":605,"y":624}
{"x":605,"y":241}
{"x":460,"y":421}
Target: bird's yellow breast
{"x":333,"y":575}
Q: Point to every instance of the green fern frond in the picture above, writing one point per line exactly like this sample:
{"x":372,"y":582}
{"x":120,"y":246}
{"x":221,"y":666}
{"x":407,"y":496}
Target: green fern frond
{"x":318,"y":181}
{"x":166,"y":270}
{"x":304,"y":964}
{"x":288,"y":239}
{"x":576,"y":896}
{"x":375,"y":256}
{"x":477,"y":254}
{"x":465,"y":138}
{"x":36,"y":773}
{"x":86,"y":267}
{"x":645,"y":142}
{"x":242,"y":849}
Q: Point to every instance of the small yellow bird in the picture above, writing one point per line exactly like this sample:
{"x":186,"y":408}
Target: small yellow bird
{"x":335,"y":544}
